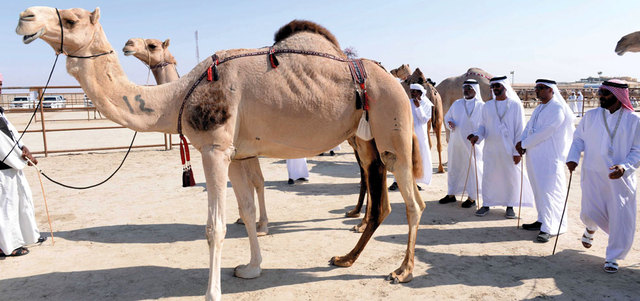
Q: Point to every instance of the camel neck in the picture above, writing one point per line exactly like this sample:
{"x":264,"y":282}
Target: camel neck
{"x":165,"y":74}
{"x":136,"y":107}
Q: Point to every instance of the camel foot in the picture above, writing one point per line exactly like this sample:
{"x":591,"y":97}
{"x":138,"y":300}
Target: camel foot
{"x":239,"y":221}
{"x":359,"y":228}
{"x":341,"y":261}
{"x":246,"y":271}
{"x":262,"y":228}
{"x":440,"y":169}
{"x":400,"y":276}
{"x":352,"y":213}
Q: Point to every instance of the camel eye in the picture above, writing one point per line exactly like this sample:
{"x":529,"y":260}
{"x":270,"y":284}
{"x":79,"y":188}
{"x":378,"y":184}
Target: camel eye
{"x":70,"y":22}
{"x":152,"y":47}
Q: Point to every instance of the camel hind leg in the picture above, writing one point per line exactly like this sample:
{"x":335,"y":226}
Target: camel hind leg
{"x":252,"y":169}
{"x":355,"y":212}
{"x":437,"y":131}
{"x":378,"y":207}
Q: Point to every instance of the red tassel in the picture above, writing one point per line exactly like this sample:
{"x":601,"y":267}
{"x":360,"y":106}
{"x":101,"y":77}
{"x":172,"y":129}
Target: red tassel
{"x":187,"y":173}
{"x":209,"y":75}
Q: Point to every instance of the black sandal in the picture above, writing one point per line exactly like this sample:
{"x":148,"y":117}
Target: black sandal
{"x":17,"y":252}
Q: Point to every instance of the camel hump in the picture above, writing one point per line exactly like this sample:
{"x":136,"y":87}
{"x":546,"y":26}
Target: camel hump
{"x":303,"y":25}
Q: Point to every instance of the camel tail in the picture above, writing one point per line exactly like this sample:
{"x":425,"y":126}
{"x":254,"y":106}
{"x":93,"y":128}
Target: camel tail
{"x":416,"y":159}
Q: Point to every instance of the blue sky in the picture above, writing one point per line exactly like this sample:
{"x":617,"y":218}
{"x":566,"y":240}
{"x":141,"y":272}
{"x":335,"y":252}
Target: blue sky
{"x":562,"y":40}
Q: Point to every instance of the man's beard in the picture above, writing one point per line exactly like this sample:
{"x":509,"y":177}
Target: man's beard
{"x":604,"y":103}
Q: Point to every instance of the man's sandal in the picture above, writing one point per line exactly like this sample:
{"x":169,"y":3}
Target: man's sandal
{"x":17,"y":252}
{"x":610,"y":267}
{"x":587,"y":238}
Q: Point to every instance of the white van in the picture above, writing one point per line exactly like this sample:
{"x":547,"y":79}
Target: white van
{"x":24,"y":102}
{"x":54,"y":101}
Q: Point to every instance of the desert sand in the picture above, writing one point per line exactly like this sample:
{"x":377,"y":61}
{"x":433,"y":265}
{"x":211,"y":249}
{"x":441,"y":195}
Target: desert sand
{"x":140,"y":236}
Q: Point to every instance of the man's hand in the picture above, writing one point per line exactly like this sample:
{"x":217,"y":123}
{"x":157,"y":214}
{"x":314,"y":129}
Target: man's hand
{"x":27,"y":154}
{"x":516,"y":159}
{"x":617,"y":172}
{"x":452,"y":125}
{"x":519,"y":148}
{"x":572,"y":166}
{"x":473,"y":138}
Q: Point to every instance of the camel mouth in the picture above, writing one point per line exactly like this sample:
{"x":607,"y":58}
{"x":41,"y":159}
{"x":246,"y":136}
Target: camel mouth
{"x":620,"y":52}
{"x":129,"y":52}
{"x":32,"y":37}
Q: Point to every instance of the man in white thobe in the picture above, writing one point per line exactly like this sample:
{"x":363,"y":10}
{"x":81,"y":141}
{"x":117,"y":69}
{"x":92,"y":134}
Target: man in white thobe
{"x":421,"y":109}
{"x":501,"y":126}
{"x":572,"y":102}
{"x":546,"y":140}
{"x":18,"y":226}
{"x":462,"y":119}
{"x":580,"y":103}
{"x":609,"y":136}
{"x":297,"y":170}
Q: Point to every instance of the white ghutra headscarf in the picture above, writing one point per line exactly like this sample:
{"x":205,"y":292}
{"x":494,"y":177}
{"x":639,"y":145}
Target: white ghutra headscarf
{"x":424,"y":97}
{"x":504,"y":81}
{"x":476,"y":87}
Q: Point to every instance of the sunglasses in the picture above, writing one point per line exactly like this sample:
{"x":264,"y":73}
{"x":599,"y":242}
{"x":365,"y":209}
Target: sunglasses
{"x":495,"y":86}
{"x":541,"y":87}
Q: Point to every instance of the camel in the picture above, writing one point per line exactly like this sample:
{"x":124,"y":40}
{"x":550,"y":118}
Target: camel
{"x":437,"y":117}
{"x":155,"y":54}
{"x":231,"y":118}
{"x":451,"y":88}
{"x":628,"y":43}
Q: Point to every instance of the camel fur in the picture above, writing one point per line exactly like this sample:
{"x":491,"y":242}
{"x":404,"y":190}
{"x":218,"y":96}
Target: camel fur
{"x":310,"y":97}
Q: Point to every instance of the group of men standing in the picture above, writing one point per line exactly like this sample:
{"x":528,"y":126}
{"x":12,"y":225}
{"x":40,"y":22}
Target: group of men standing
{"x":495,"y":135}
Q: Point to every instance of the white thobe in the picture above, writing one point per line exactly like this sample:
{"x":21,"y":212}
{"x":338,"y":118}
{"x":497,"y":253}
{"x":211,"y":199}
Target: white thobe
{"x":466,"y":116}
{"x":608,"y":204}
{"x":17,"y":219}
{"x":547,"y":138}
{"x":421,"y":117}
{"x":572,"y":103}
{"x":297,"y":168}
{"x":501,"y":177}
{"x":580,"y":103}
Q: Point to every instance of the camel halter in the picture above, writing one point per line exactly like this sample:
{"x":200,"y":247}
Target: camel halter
{"x":40,"y":103}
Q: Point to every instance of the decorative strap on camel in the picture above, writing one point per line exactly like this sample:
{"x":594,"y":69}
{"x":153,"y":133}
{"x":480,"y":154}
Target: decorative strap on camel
{"x":187,"y":172}
{"x":359,"y":76}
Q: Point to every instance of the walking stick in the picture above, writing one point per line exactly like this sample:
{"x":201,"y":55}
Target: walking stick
{"x":475,"y":164}
{"x":466,"y":178}
{"x":521,"y":188}
{"x":563,"y":210}
{"x":45,"y":200}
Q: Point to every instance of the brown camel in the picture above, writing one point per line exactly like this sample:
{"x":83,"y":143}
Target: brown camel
{"x":629,"y":43}
{"x":437,"y":117}
{"x":451,"y":88}
{"x":231,"y":118}
{"x":155,"y":54}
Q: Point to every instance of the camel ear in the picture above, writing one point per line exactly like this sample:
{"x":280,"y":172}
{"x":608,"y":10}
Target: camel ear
{"x":95,"y":15}
{"x":165,"y":44}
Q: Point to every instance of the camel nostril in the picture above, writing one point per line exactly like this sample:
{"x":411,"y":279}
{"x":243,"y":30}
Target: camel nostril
{"x":129,"y":43}
{"x":27,"y":17}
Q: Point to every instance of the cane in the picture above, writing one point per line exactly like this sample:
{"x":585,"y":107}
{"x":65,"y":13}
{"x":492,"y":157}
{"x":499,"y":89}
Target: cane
{"x":563,"y":210}
{"x":521,"y":188}
{"x":475,"y":164}
{"x":466,"y":178}
{"x":45,"y":199}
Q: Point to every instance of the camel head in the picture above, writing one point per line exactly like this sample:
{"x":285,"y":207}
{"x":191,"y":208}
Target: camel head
{"x":150,"y":51}
{"x":79,"y":25}
{"x":629,"y":43}
{"x":402,"y":72}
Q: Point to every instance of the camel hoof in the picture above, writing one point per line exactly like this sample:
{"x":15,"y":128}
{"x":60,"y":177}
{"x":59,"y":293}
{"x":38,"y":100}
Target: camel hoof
{"x":359,"y":228}
{"x":352,"y":214}
{"x":262,"y":229}
{"x":246,"y":271}
{"x":340,"y":261}
{"x":440,"y":170}
{"x":240,"y":221}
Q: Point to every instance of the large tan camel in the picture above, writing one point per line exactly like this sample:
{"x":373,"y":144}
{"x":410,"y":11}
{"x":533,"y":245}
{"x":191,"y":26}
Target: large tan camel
{"x":437,"y":117}
{"x":232,"y":118}
{"x":451,"y":88}
{"x":629,"y":43}
{"x":155,"y":54}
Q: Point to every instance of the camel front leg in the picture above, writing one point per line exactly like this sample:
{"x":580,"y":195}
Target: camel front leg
{"x":243,"y":189}
{"x":437,"y":129}
{"x":216,"y":164}
{"x":378,"y":207}
{"x":355,"y":212}
{"x":257,"y":181}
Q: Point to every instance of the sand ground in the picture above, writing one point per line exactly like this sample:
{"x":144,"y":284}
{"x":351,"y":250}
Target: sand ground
{"x":141,"y":236}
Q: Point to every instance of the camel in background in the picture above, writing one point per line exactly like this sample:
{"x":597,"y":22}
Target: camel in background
{"x":628,"y":43}
{"x":451,"y":88}
{"x":231,"y":118}
{"x":156,"y":56}
{"x":437,"y":117}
